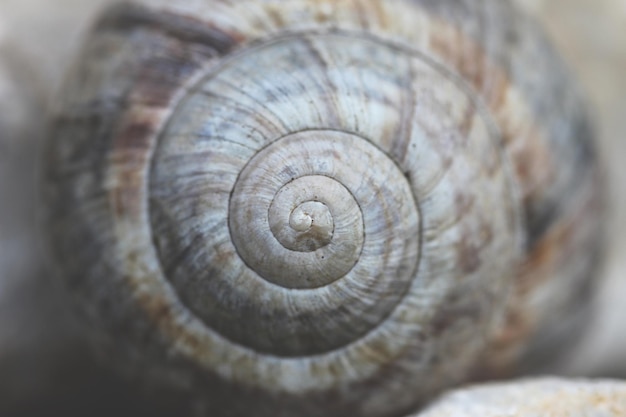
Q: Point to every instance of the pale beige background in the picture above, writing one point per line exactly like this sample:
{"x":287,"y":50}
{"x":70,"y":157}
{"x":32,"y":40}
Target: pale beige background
{"x":43,"y":35}
{"x":592,"y":36}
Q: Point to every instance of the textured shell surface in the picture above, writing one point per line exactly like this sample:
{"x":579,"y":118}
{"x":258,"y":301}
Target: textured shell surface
{"x":322,"y":208}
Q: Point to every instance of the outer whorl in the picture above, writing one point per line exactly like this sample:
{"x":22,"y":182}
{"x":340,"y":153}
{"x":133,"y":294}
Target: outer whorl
{"x":313,"y":212}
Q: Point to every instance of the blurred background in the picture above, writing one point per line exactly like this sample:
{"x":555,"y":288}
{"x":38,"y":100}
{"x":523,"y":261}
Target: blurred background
{"x":44,"y":363}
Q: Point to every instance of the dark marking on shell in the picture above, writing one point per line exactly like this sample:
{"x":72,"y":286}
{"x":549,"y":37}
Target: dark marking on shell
{"x":135,"y":135}
{"x":453,"y":310}
{"x":128,"y":17}
{"x":468,"y":254}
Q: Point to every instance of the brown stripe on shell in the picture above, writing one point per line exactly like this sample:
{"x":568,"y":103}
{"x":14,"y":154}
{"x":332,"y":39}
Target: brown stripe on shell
{"x":525,"y":142}
{"x":575,"y":237}
{"x":144,"y":74}
{"x":531,"y":152}
{"x":185,"y":28}
{"x":553,"y":229}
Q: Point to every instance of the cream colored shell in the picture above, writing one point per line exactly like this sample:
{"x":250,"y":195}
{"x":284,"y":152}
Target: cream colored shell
{"x":317,"y":208}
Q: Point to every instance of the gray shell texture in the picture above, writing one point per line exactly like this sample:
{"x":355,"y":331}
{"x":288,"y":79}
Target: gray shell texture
{"x":322,"y":208}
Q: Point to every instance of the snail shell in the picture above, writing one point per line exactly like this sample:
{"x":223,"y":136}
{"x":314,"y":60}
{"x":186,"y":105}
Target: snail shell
{"x":322,"y":208}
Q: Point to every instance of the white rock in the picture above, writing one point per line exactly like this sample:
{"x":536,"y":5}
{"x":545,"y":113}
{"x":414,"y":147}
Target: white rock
{"x":549,"y":397}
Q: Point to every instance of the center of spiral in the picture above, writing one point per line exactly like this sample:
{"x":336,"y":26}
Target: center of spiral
{"x":300,"y":220}
{"x":295,"y":216}
{"x":301,"y":213}
{"x":313,"y":223}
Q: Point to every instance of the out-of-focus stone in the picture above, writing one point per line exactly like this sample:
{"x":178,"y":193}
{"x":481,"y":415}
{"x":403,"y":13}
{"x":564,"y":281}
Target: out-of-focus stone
{"x":534,"y":398}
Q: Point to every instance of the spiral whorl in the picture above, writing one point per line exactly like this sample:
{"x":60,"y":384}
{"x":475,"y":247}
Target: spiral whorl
{"x":286,"y":196}
{"x":308,"y":207}
{"x":326,"y":232}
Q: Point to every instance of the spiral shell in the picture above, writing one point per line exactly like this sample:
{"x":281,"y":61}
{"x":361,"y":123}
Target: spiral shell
{"x":319,"y":208}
